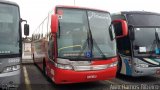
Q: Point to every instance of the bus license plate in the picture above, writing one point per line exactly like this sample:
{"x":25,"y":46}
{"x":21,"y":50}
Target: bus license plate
{"x":91,"y":76}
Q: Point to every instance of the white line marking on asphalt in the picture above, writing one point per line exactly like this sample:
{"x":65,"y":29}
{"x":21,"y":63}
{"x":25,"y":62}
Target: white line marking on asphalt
{"x":27,"y":81}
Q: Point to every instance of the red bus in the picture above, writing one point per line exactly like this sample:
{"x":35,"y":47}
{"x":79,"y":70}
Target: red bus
{"x":76,"y":44}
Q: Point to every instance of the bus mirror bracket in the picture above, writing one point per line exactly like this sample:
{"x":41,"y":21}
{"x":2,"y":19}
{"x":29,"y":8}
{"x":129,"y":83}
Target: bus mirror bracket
{"x":132,"y":33}
{"x":124,"y":27}
{"x":112,"y":37}
{"x":54,"y":23}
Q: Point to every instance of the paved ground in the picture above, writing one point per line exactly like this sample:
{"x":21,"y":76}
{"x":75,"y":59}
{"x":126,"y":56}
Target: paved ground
{"x":33,"y":79}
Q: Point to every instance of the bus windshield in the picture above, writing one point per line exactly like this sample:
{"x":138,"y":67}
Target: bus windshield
{"x":9,"y":29}
{"x":75,"y":27}
{"x":145,"y":41}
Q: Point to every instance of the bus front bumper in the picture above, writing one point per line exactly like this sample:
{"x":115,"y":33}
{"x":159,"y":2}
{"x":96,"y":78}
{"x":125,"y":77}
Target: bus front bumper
{"x":70,"y":76}
{"x":146,"y":71}
{"x":10,"y":79}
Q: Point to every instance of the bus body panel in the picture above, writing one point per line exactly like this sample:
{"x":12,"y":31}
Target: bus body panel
{"x":67,"y":76}
{"x":10,"y":78}
{"x":145,"y":71}
{"x":61,"y":76}
{"x":129,"y":66}
{"x":126,"y":65}
{"x":38,"y":52}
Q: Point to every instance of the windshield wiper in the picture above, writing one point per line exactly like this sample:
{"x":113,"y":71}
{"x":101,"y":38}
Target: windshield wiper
{"x":87,"y":42}
{"x":93,"y":44}
{"x":90,"y":42}
{"x":100,"y":51}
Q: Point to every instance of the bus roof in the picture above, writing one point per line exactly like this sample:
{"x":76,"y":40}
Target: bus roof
{"x":78,"y":7}
{"x":8,"y":2}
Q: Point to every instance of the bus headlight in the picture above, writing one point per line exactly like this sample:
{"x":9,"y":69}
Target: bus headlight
{"x":142,"y":65}
{"x":11,"y":68}
{"x":64,"y":66}
{"x":113,"y":64}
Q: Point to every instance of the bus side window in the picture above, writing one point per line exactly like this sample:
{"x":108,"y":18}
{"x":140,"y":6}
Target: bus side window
{"x":51,"y":48}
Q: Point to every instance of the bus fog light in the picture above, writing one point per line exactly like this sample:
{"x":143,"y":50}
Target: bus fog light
{"x":11,"y":68}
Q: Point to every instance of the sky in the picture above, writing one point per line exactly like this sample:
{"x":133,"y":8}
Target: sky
{"x":34,"y":11}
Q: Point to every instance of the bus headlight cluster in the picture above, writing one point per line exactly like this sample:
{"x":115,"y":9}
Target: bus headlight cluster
{"x":11,"y":68}
{"x":64,"y":66}
{"x":142,"y":65}
{"x":113,"y":64}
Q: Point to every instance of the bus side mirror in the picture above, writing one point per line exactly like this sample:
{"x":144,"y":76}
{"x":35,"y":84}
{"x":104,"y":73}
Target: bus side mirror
{"x":26,"y":29}
{"x":122,"y":25}
{"x":54,"y":24}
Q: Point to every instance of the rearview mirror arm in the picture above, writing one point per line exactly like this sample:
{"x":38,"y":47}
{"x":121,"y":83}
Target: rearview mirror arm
{"x":23,"y":20}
